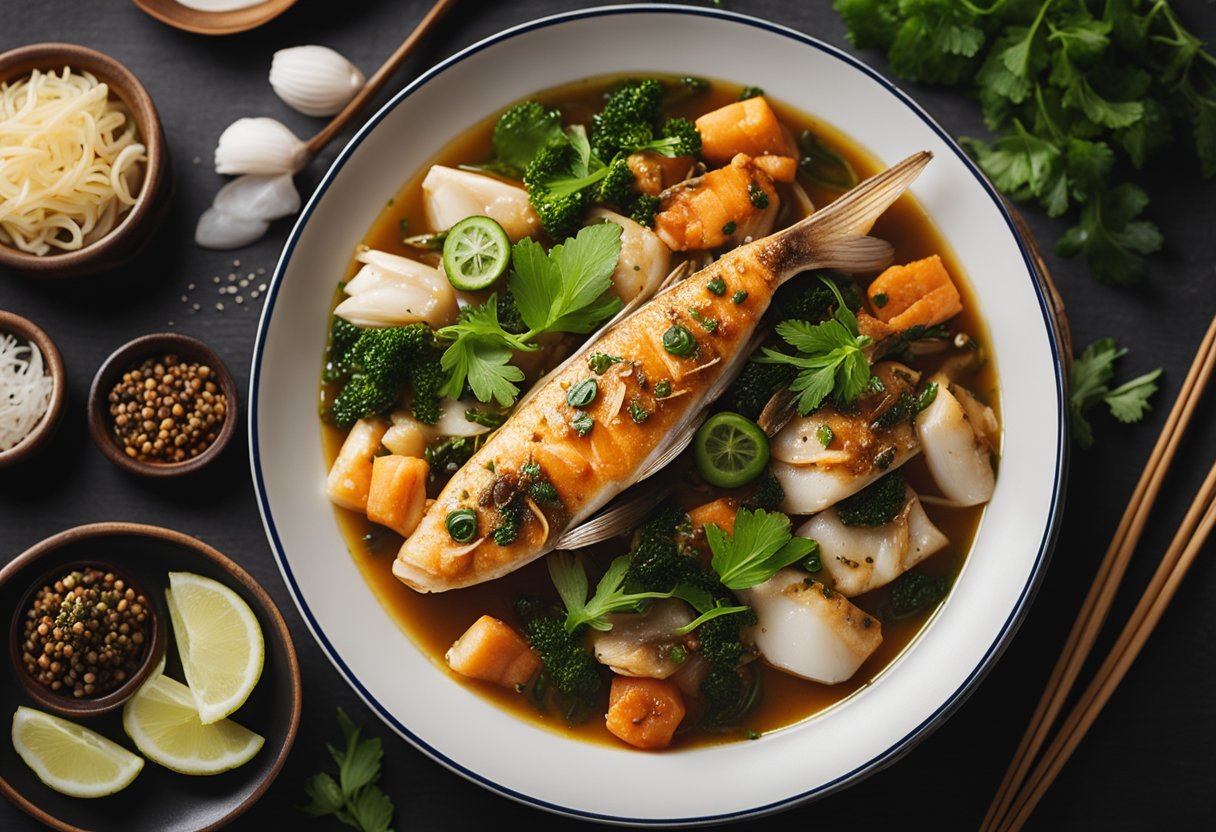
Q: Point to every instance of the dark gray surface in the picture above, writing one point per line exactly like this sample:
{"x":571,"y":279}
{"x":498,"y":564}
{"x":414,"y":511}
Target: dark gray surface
{"x":1146,"y":760}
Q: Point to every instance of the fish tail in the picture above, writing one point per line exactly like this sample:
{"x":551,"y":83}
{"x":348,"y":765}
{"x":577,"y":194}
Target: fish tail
{"x":834,"y":237}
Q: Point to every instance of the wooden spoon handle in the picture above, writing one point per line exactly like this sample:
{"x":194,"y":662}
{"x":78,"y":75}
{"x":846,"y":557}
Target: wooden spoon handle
{"x":382,"y":75}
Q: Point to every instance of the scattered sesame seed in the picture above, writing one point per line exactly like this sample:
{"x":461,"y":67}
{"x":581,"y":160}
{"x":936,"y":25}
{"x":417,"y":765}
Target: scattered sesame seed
{"x":261,"y":287}
{"x":170,"y":323}
{"x":215,"y":279}
{"x":236,"y":263}
{"x":185,"y":298}
{"x":261,"y":271}
{"x":251,"y":276}
{"x":239,"y":299}
{"x":231,"y":277}
{"x":243,"y":283}
{"x":196,"y":307}
{"x":254,"y":293}
{"x":220,"y":307}
{"x":196,"y":160}
{"x":190,"y":286}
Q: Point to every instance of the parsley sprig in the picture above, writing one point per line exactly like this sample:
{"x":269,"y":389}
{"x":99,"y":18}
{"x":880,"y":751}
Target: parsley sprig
{"x":1088,"y":382}
{"x":1073,"y":90}
{"x":761,"y":546}
{"x":354,"y":798}
{"x":610,"y":596}
{"x":564,"y":290}
{"x":829,"y":357}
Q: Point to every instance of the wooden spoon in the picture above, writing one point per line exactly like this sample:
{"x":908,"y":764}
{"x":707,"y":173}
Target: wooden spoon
{"x":213,"y":23}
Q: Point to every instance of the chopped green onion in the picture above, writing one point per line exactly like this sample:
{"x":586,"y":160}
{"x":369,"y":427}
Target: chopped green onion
{"x":679,"y":341}
{"x":462,"y":524}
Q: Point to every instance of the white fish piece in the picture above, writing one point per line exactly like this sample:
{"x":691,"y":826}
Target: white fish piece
{"x":259,"y":197}
{"x":956,"y":444}
{"x":391,"y":291}
{"x":259,"y":145}
{"x":857,"y":559}
{"x":313,"y":79}
{"x":640,"y":644}
{"x":645,"y":259}
{"x":810,"y":630}
{"x":862,"y":447}
{"x":452,"y":421}
{"x":449,"y":195}
{"x":220,"y":231}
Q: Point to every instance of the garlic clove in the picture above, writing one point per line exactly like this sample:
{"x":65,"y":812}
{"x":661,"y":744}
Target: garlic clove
{"x":259,"y":145}
{"x":221,"y":231}
{"x":259,"y":197}
{"x":315,"y":80}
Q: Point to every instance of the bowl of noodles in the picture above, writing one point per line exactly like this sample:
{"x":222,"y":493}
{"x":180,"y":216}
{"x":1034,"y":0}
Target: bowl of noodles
{"x":86,"y":164}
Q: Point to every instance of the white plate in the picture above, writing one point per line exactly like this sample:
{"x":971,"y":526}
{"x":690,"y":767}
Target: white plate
{"x":452,"y":723}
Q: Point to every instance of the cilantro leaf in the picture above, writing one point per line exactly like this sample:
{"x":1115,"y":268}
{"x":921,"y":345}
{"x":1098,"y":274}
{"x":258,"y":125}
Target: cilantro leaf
{"x":1088,"y":382}
{"x":570,"y":578}
{"x":1110,"y":237}
{"x":353,"y":798}
{"x":564,"y":290}
{"x":761,"y":546}
{"x":829,"y":356}
{"x":523,"y":130}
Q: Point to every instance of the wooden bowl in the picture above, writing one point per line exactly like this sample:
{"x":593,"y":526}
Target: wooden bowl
{"x":158,"y":798}
{"x":26,"y":330}
{"x":101,"y":425}
{"x":213,"y":23}
{"x":69,"y":706}
{"x":137,"y":226}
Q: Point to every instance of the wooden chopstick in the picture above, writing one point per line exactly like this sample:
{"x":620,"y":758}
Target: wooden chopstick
{"x":1192,"y":535}
{"x":1110,"y":573}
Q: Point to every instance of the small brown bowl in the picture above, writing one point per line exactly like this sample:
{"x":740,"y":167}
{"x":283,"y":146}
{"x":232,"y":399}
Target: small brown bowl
{"x":213,"y":23}
{"x":135,"y":228}
{"x":158,"y":798}
{"x":101,"y":426}
{"x":25,"y":330}
{"x":86,"y":706}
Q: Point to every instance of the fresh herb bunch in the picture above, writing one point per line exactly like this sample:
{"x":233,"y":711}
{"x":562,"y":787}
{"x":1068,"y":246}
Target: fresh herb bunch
{"x":354,"y":798}
{"x":1088,"y":385}
{"x":565,"y":290}
{"x":1071,"y":88}
{"x":760,"y":547}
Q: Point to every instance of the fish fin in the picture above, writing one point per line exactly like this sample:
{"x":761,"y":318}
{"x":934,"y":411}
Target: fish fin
{"x":621,"y":516}
{"x":836,"y":233}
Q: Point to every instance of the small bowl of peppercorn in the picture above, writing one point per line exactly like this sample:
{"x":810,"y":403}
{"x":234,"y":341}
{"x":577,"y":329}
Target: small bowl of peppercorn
{"x":84,"y":638}
{"x":162,"y":405}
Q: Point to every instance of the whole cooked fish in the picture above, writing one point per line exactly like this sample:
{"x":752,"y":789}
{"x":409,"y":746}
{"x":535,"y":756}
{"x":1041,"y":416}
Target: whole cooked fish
{"x":647,"y":404}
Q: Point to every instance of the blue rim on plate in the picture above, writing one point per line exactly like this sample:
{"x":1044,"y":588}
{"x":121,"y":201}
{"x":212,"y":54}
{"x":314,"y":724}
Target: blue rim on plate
{"x":895,"y":750}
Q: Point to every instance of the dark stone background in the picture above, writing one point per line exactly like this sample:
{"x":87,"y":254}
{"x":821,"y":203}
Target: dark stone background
{"x":1147,"y":760}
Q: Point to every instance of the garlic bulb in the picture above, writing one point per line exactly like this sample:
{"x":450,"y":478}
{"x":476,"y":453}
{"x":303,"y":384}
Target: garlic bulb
{"x":315,"y":80}
{"x":259,"y":197}
{"x":222,"y":231}
{"x":259,"y":145}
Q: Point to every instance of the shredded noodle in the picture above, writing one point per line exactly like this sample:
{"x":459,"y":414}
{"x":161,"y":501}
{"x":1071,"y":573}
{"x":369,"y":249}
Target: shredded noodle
{"x":25,"y":390}
{"x":69,"y":156}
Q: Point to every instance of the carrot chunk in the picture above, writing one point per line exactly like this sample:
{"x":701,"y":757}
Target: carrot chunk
{"x":397,"y":496}
{"x":653,"y":172}
{"x":748,"y":126}
{"x":492,"y":651}
{"x":721,"y":512}
{"x":350,"y":477}
{"x":644,"y":712}
{"x":920,"y":293}
{"x":707,"y":211}
{"x":781,"y":168}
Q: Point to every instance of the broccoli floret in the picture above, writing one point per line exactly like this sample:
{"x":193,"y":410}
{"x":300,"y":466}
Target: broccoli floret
{"x":643,"y":210}
{"x":426,"y":379}
{"x":557,"y":192}
{"x":380,"y":365}
{"x":568,"y":665}
{"x":657,"y":563}
{"x":680,"y":138}
{"x":522,"y":131}
{"x":628,"y":118}
{"x":768,"y":494}
{"x":509,"y":317}
{"x":342,"y":336}
{"x":543,"y":493}
{"x":913,"y":592}
{"x":617,"y":185}
{"x":876,"y":504}
{"x":806,"y":298}
{"x":751,"y":391}
{"x":451,"y":454}
{"x":750,"y":92}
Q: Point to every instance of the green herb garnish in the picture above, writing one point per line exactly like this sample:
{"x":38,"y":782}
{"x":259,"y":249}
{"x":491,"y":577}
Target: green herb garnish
{"x":662,"y":389}
{"x":582,"y":423}
{"x":677,"y":340}
{"x":717,"y":286}
{"x":825,"y":435}
{"x":354,"y":798}
{"x":729,"y":228}
{"x":707,"y":324}
{"x":571,"y":581}
{"x":462,"y":524}
{"x":637,"y":412}
{"x":738,"y":297}
{"x":565,"y":290}
{"x":599,"y":362}
{"x":583,"y":393}
{"x":1088,"y":384}
{"x":757,"y":195}
{"x":761,"y":546}
{"x":829,"y":358}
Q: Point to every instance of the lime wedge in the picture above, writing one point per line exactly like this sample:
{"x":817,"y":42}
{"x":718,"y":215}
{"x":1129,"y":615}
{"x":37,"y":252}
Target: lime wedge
{"x":162,"y":720}
{"x":475,"y":253}
{"x":70,"y":758}
{"x":219,"y":642}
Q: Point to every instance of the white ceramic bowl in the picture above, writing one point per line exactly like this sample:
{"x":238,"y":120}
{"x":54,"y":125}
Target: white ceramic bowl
{"x":451,"y":722}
